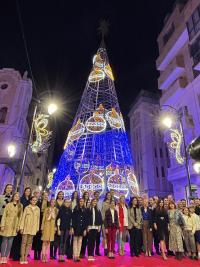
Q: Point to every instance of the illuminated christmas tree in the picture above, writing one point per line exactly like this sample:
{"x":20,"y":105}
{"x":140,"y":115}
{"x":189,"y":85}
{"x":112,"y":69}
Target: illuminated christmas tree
{"x":96,"y":153}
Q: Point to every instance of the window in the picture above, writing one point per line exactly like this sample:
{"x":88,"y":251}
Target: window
{"x":199,"y":99}
{"x":168,"y":34}
{"x":163,"y":171}
{"x":3,"y":113}
{"x":161,"y":153}
{"x":38,"y":180}
{"x":4,"y":86}
{"x":157,"y":174}
{"x":193,"y":24}
{"x":155,"y":152}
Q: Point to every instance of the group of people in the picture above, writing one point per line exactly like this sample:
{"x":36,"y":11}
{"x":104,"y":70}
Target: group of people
{"x":69,"y":227}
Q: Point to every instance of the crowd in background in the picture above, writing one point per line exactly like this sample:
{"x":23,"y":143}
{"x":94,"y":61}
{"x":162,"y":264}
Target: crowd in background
{"x":71,"y":227}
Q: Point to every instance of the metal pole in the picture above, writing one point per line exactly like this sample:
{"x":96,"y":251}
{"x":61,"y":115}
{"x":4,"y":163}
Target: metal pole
{"x":186,"y":159}
{"x":21,"y":182}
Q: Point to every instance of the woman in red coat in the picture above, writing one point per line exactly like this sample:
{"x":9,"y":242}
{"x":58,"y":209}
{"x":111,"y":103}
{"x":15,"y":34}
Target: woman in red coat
{"x":111,"y":224}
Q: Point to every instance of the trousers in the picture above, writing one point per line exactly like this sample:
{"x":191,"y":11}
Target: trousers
{"x":111,"y":236}
{"x":147,"y":237}
{"x":6,"y":245}
{"x":92,"y":235}
{"x":27,"y":241}
{"x":63,"y":242}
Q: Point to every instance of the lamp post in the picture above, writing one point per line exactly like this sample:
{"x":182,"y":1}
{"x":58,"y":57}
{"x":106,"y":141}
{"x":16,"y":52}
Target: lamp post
{"x":167,"y":121}
{"x":52,"y":108}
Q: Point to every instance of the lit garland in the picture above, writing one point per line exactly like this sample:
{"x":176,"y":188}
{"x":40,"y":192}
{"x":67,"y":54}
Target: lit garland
{"x":175,"y":145}
{"x":42,"y":135}
{"x":101,"y":68}
{"x":90,"y":183}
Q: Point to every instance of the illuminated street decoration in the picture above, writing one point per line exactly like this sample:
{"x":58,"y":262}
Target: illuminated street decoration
{"x":114,"y":119}
{"x":101,"y":68}
{"x":42,"y":135}
{"x":97,"y":153}
{"x":75,"y":133}
{"x":96,"y":124}
{"x":67,"y":186}
{"x":175,"y":145}
{"x":91,"y":183}
{"x":50,"y":179}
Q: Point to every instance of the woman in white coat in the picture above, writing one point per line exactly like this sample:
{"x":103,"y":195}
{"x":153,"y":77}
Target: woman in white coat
{"x":122,"y":212}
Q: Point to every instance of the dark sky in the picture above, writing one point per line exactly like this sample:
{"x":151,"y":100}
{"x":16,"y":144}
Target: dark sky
{"x":62,"y":38}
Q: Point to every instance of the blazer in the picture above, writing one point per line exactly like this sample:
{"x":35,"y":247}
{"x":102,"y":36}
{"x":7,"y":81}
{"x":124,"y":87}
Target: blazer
{"x":125,"y":210}
{"x":79,"y":220}
{"x":108,"y":219}
{"x":98,"y":217}
{"x":131,"y":218}
{"x":65,"y":216}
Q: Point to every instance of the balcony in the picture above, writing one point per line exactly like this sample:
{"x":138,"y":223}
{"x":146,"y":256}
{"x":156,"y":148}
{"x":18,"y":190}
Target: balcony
{"x":172,"y":47}
{"x":171,"y":95}
{"x":174,"y":70}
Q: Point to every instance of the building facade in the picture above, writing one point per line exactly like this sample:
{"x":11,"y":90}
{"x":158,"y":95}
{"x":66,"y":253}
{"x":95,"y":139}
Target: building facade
{"x":15,"y":98}
{"x":179,"y":66}
{"x":150,"y":152}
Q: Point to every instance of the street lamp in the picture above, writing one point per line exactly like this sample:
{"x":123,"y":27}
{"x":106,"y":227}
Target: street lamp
{"x":11,"y":150}
{"x":52,"y":108}
{"x":168,"y":121}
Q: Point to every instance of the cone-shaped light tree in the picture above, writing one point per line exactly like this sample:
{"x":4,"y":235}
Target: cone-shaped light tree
{"x":96,"y":154}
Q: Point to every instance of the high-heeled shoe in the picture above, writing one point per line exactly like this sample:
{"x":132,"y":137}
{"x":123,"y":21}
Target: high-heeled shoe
{"x":164,"y":256}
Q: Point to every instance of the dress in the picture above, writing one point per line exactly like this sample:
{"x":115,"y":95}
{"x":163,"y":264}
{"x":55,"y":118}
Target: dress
{"x":161,"y":220}
{"x":175,"y":232}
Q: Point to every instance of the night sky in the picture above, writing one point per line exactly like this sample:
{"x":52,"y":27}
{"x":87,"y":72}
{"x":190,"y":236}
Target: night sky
{"x":62,"y":38}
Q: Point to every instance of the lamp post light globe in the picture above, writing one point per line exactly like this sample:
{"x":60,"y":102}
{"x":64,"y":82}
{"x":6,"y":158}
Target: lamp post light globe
{"x":167,"y":122}
{"x":196,"y":167}
{"x":52,"y":108}
{"x":54,"y":170}
{"x":11,"y":150}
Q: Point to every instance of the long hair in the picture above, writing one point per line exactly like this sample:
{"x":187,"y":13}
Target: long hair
{"x":58,"y":194}
{"x":25,"y":191}
{"x":4,"y":191}
{"x":131,"y":200}
{"x":158,"y":208}
{"x":92,"y":202}
{"x":78,"y":204}
{"x":72,"y":198}
{"x":19,"y":205}
{"x":106,"y":195}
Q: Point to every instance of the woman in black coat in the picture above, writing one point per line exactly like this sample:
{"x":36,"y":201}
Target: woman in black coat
{"x":161,"y":226}
{"x":94,"y":226}
{"x":64,"y":222}
{"x":79,"y":226}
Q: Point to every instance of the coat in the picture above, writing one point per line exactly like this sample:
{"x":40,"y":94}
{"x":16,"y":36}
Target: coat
{"x":131,"y":218}
{"x":108,"y":219}
{"x":30,"y":223}
{"x":79,"y":221}
{"x":48,"y":225}
{"x":125,"y":212}
{"x":11,"y":219}
{"x":98,"y":217}
{"x":65,"y":216}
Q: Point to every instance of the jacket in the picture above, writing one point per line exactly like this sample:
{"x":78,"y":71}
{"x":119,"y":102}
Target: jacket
{"x":11,"y":219}
{"x":125,"y":211}
{"x":132,"y":222}
{"x":98,"y":217}
{"x":108,"y":219}
{"x":49,"y":224}
{"x":65,"y":216}
{"x":79,"y":221}
{"x":30,"y":222}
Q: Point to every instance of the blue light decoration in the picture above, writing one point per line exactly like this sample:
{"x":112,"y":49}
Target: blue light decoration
{"x":97,"y":155}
